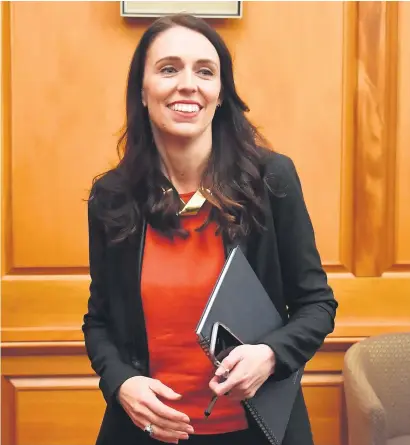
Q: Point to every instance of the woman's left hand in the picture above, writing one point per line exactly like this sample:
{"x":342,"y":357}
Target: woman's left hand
{"x":249,"y":366}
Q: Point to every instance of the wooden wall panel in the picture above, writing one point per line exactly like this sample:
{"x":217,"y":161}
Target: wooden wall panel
{"x":324,"y":400}
{"x":303,"y":38}
{"x":43,"y":215}
{"x":49,"y":411}
{"x":41,"y":308}
{"x":402,"y":242}
{"x":51,"y":395}
{"x":67,"y":134}
{"x":326,"y":83}
{"x":8,"y":412}
{"x":52,"y":411}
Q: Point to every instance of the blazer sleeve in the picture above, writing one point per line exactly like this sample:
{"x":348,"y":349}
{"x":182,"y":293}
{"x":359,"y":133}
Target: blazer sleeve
{"x":102,"y":352}
{"x":309,"y":299}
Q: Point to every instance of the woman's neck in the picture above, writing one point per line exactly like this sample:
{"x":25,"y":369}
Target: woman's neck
{"x":184,"y":160}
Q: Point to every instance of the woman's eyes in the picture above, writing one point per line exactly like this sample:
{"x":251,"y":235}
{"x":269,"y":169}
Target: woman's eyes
{"x":206,"y":72}
{"x":167,"y":70}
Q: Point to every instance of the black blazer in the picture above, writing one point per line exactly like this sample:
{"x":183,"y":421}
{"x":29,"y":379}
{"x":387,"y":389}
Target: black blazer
{"x":284,"y":257}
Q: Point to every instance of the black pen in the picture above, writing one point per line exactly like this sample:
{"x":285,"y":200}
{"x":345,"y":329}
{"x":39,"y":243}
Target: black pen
{"x":224,"y":377}
{"x":210,"y":406}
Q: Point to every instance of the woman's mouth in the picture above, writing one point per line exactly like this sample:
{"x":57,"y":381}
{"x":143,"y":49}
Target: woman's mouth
{"x":183,"y":112}
{"x":185,"y":108}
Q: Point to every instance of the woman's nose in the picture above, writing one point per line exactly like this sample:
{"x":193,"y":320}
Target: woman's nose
{"x":187,"y":81}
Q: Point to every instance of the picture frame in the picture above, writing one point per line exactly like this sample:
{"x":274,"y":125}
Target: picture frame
{"x":209,"y":9}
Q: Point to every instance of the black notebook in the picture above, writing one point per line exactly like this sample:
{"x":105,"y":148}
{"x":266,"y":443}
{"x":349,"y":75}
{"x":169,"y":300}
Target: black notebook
{"x":240,"y":302}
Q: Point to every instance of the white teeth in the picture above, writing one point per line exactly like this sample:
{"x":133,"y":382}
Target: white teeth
{"x":185,"y":108}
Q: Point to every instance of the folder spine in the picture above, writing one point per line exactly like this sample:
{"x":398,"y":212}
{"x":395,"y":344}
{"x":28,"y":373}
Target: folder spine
{"x":205,"y":343}
{"x":261,"y":423}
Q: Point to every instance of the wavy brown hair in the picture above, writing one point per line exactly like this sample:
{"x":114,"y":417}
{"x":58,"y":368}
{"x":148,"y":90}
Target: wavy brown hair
{"x":133,"y":189}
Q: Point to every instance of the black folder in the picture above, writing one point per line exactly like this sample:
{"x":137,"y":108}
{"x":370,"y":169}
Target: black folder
{"x":240,"y":302}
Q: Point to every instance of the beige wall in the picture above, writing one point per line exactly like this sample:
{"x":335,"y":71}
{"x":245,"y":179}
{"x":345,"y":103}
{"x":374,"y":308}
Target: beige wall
{"x":326,"y":83}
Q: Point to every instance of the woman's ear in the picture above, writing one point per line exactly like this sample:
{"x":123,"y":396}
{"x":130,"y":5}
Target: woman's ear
{"x":144,"y":102}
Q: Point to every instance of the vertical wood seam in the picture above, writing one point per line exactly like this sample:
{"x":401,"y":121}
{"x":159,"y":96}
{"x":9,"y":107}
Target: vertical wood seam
{"x":6,"y":168}
{"x":348,"y":133}
{"x":391,"y":100}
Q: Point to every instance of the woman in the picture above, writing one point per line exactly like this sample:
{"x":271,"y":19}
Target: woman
{"x":193,"y":181}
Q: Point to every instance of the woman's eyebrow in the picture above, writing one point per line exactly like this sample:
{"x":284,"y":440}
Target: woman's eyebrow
{"x":207,"y":61}
{"x":178,"y":59}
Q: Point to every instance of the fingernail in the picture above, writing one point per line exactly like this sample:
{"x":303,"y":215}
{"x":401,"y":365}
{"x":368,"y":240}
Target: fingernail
{"x":222,"y":372}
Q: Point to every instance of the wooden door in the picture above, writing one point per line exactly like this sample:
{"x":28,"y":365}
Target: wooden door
{"x":327,"y":84}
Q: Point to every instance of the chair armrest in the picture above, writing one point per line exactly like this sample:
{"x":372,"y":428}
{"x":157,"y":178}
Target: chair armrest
{"x":365,"y":413}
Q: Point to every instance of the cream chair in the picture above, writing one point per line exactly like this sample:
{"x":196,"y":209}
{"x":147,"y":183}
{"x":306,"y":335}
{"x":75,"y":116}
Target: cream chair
{"x":377,"y":387}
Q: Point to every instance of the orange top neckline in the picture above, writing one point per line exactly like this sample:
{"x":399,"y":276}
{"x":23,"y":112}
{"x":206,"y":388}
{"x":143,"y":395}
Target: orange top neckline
{"x":185,"y":196}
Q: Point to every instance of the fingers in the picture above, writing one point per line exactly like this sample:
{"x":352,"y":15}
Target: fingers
{"x":140,"y":401}
{"x":222,"y":388}
{"x":163,"y":391}
{"x":164,"y":411}
{"x":168,"y":436}
{"x":235,"y":377}
{"x":236,"y":389}
{"x":165,"y":423}
{"x":239,"y":394}
{"x":240,"y":383}
{"x":164,"y":429}
{"x":229,"y":363}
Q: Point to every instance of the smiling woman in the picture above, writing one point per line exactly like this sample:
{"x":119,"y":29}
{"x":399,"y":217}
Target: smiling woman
{"x":182,"y":91}
{"x":195,"y":178}
{"x":186,"y":131}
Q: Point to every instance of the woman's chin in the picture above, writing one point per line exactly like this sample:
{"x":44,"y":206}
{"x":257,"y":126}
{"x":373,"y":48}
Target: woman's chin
{"x":184,"y":131}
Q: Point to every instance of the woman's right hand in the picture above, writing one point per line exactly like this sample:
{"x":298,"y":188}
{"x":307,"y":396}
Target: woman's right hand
{"x":138,"y":397}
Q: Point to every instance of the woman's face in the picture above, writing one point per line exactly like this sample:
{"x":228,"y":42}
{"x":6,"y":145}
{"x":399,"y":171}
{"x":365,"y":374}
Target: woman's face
{"x":182,"y":83}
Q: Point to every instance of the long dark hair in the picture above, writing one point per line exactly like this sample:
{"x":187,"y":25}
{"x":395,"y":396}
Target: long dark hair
{"x":233,"y":175}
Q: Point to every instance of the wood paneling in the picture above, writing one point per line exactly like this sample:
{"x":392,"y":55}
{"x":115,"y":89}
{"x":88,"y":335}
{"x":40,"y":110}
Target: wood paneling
{"x":323,"y":394}
{"x":281,"y":99}
{"x":363,"y":306}
{"x":8,"y":412}
{"x":43,"y":384}
{"x":48,"y":412}
{"x":58,"y":317}
{"x":5,"y":60}
{"x":327,"y":84}
{"x":348,"y":137}
{"x":402,"y":228}
{"x":374,"y":156}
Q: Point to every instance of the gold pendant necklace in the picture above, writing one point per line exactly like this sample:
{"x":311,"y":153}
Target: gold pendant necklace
{"x":194,"y":204}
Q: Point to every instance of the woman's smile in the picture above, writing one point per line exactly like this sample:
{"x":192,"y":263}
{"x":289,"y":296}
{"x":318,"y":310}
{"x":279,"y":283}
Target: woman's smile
{"x":187,"y":110}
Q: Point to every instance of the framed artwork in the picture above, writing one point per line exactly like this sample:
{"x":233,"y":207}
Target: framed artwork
{"x":210,"y":9}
